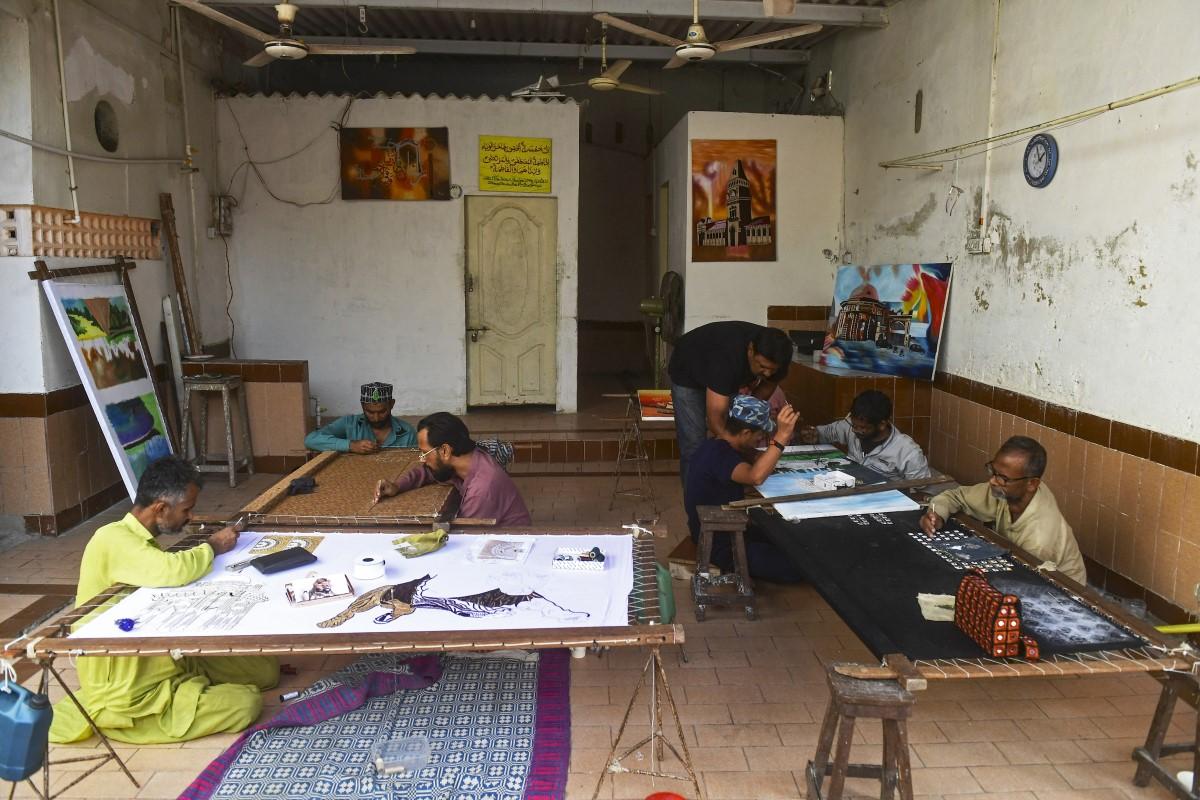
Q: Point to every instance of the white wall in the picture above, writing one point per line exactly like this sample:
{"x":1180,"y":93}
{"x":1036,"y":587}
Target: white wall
{"x":373,"y":290}
{"x":1089,"y":298}
{"x":808,"y":216}
{"x":118,"y":51}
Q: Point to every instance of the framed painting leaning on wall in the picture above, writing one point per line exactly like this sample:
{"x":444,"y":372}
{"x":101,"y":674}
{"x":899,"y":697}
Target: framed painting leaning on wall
{"x":98,"y":326}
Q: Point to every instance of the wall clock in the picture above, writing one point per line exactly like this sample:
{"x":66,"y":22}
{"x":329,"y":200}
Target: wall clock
{"x":1041,"y":160}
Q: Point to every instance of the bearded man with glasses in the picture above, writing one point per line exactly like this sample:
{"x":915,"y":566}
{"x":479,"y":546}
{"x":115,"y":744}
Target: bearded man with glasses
{"x":1017,"y":505}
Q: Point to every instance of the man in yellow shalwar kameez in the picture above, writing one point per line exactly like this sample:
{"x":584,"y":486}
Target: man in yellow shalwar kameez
{"x":158,"y":699}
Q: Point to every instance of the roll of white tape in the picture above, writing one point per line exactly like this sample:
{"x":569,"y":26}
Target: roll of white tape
{"x":369,"y":568}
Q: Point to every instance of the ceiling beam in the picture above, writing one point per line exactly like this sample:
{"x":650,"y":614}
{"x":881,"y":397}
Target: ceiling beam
{"x":554,"y":50}
{"x":839,"y":15}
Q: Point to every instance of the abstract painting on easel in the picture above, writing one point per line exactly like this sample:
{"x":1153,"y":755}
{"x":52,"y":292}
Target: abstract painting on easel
{"x":100,"y":332}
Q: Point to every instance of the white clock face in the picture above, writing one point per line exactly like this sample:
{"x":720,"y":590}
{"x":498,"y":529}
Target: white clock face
{"x":1037,"y":160}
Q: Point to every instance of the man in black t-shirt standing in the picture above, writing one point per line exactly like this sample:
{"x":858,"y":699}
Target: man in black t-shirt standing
{"x":709,"y":365}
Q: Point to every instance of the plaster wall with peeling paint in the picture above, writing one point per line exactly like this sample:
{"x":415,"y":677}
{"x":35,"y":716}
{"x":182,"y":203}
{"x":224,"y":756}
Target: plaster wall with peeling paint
{"x":123,"y":53}
{"x":808,"y":216}
{"x":1088,"y":298}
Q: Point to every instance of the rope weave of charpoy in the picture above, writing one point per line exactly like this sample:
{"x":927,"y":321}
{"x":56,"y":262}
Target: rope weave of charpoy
{"x":1144,"y":659}
{"x":346,"y":491}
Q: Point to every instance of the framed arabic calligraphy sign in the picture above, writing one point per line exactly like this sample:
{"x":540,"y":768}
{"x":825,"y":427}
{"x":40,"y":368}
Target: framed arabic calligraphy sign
{"x":395,"y":163}
{"x":515,"y":164}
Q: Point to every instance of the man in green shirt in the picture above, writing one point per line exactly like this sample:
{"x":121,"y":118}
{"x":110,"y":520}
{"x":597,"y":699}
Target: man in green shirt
{"x":159,"y":699}
{"x":1017,"y":505}
{"x":369,"y":432}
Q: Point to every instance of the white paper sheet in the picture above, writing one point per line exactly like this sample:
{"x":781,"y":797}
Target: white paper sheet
{"x":589,"y":599}
{"x":797,"y":478}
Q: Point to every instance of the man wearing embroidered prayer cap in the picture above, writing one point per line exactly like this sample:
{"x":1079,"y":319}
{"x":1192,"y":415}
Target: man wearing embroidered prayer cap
{"x":369,"y":432}
{"x":158,"y":699}
{"x":1017,"y":505}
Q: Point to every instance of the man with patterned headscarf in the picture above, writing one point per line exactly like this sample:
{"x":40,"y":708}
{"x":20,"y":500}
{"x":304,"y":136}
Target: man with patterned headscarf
{"x":368,"y":432}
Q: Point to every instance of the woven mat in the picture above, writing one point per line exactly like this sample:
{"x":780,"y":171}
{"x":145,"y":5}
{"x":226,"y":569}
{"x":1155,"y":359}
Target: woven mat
{"x":346,"y":486}
{"x":498,"y":726}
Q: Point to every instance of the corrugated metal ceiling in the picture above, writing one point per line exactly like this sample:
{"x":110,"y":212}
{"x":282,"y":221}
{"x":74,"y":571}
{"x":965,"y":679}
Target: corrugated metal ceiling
{"x":394,"y":23}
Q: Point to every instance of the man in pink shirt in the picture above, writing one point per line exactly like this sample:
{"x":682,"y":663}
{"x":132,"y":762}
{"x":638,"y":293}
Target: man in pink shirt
{"x":448,"y":455}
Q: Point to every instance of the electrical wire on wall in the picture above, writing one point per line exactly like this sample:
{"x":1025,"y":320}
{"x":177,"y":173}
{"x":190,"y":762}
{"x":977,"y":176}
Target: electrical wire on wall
{"x":983,"y":146}
{"x":229,"y":299}
{"x":252,"y":164}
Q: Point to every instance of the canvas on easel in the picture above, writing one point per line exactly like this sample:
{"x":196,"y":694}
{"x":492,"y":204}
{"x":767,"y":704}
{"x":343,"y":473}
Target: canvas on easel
{"x":100,"y":327}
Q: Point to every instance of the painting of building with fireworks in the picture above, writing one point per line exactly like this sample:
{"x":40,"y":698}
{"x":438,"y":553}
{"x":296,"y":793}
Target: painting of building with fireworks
{"x":887,"y":319}
{"x":733,"y":200}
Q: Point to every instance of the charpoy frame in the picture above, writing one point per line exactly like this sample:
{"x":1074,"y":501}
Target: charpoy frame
{"x":1172,"y":663}
{"x":643,"y":630}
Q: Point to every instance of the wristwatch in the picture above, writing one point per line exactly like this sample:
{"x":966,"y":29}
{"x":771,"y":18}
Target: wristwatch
{"x":777,"y":444}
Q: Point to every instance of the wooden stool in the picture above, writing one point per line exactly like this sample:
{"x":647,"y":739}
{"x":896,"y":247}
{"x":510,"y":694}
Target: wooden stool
{"x":850,"y":698}
{"x":1176,"y":686}
{"x":714,"y":519}
{"x":226,"y":385}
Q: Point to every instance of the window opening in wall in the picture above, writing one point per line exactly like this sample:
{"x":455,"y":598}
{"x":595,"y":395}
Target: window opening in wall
{"x":619,"y":133}
{"x":918,"y":104}
{"x":587,"y":132}
{"x":106,"y":126}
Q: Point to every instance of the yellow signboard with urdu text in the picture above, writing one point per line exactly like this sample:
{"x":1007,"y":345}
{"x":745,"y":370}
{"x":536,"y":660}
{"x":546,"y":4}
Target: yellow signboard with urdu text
{"x":514,"y":164}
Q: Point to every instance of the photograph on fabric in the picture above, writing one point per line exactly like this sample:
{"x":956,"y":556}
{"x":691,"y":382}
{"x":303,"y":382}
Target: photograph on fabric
{"x":887,"y":319}
{"x":100,"y":329}
{"x":733,"y":200}
{"x":319,"y":589}
{"x":139,"y":427}
{"x":395,"y":163}
{"x":103,"y":327}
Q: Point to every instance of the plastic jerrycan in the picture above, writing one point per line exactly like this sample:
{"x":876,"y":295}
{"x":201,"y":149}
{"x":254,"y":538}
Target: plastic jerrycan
{"x":24,"y":728}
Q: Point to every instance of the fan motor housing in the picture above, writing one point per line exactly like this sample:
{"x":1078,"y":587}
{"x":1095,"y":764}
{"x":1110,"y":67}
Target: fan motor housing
{"x":286,"y":49}
{"x":695,"y":51}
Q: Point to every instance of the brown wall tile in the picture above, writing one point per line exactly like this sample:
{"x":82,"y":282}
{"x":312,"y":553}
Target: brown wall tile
{"x":1130,"y":439}
{"x":1170,"y":518}
{"x":1005,"y":401}
{"x":1092,"y":428}
{"x":1061,"y":418}
{"x":1176,"y":453}
{"x":22,"y":405}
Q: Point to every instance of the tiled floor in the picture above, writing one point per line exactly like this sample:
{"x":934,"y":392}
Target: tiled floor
{"x":751,"y":694}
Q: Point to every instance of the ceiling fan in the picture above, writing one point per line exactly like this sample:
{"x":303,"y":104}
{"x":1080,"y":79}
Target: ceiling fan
{"x":284,"y":46}
{"x":696,"y":47}
{"x":610,"y":77}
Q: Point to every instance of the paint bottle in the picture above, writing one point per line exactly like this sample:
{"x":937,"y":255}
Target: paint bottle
{"x":24,"y":727}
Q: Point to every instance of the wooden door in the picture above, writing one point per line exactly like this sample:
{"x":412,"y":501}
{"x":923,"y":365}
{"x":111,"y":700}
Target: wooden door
{"x":512,"y":300}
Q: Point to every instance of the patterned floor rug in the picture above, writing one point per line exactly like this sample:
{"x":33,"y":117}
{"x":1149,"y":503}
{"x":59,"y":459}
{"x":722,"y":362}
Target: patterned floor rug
{"x":498,"y":726}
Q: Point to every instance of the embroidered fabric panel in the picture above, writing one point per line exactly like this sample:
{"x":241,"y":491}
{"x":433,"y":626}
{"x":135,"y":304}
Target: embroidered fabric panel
{"x":479,"y":719}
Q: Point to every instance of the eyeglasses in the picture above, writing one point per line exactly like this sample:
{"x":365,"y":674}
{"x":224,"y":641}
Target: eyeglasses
{"x":1004,"y":479}
{"x":425,"y":455}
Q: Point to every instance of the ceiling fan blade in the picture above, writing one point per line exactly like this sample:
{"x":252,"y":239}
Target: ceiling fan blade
{"x":358,"y":49}
{"x":260,"y":60}
{"x":227,"y":21}
{"x":630,"y":87}
{"x":616,"y":69}
{"x":778,"y":8}
{"x":675,"y":63}
{"x":765,"y":38}
{"x":637,"y":30}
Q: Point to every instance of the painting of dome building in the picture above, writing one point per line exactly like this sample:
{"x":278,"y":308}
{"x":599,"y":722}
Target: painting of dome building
{"x":733,"y":200}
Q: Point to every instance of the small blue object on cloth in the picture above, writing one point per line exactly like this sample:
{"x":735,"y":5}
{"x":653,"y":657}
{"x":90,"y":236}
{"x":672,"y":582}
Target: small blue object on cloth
{"x":126,"y":624}
{"x":752,"y":411}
